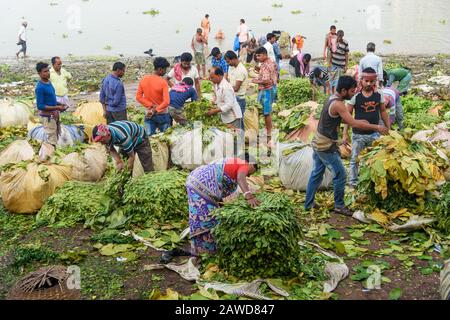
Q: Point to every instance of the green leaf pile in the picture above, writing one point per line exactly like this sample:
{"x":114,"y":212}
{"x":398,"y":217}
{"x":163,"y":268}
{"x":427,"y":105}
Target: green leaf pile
{"x":292,"y":92}
{"x":159,"y":195}
{"x":196,"y":111}
{"x":73,"y":203}
{"x":260,"y":242}
{"x":296,"y":120}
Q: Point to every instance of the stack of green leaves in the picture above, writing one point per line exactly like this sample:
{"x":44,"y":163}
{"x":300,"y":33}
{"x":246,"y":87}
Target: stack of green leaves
{"x":443,"y":209}
{"x":416,"y":113}
{"x":196,"y":111}
{"x":292,"y":92}
{"x":74,"y":202}
{"x":159,"y":195}
{"x":260,"y":242}
{"x":296,"y":120}
{"x":207,"y":86}
{"x":397,"y":170}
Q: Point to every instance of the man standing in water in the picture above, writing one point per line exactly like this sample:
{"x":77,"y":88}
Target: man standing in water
{"x":198,"y":45}
{"x":22,"y":40}
{"x":206,"y":26}
{"x":330,"y":45}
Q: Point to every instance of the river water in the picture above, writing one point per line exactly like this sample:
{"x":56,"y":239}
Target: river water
{"x":101,"y":27}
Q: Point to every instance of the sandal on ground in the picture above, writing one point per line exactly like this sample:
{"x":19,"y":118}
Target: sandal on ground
{"x":344,"y":211}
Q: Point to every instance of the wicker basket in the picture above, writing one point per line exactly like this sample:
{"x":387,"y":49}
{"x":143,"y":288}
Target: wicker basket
{"x":49,"y":283}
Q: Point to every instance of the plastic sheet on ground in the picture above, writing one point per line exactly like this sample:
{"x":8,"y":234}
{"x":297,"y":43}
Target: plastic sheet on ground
{"x":186,"y":270}
{"x":249,"y":290}
{"x":414,"y":223}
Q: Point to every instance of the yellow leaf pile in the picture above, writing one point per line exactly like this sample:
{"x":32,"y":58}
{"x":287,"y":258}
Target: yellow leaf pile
{"x":396,"y":165}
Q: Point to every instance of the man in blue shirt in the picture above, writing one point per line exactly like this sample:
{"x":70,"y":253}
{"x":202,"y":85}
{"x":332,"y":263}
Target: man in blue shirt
{"x":130,"y":138}
{"x":112,"y":95}
{"x":179,"y":94}
{"x":47,"y":105}
{"x":219,"y":61}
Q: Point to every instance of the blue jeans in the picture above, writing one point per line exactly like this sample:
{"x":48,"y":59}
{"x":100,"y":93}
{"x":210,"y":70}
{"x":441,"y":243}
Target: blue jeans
{"x":332,"y":161}
{"x":336,"y":73}
{"x":243,"y":104}
{"x":158,"y":121}
{"x":359,"y":143}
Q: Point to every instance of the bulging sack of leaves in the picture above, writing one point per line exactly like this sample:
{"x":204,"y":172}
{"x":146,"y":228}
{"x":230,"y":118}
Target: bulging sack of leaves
{"x":70,"y":135}
{"x":74,"y":202}
{"x":293,"y":92}
{"x":251,"y":118}
{"x":157,"y":195}
{"x":91,"y":113}
{"x":189,"y":150}
{"x":296,"y":164}
{"x":24,"y":189}
{"x":17,"y":151}
{"x":89,"y":165}
{"x":160,"y":158}
{"x":396,"y":169}
{"x":14,"y":113}
{"x":260,"y":242}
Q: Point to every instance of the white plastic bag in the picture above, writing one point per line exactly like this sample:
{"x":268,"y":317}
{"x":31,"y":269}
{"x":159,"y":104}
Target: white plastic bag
{"x":296,"y":168}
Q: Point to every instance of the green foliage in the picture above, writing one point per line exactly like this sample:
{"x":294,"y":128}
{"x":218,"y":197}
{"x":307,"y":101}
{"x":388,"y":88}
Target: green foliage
{"x":296,"y":120}
{"x":206,"y":86}
{"x":68,"y":118}
{"x":443,"y":209}
{"x":260,"y":242}
{"x":292,"y":92}
{"x":73,"y":203}
{"x":196,"y":111}
{"x":420,"y":121}
{"x":158,"y":195}
{"x":112,"y":236}
{"x":26,"y":255}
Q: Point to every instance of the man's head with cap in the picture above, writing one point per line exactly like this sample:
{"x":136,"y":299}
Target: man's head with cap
{"x":101,"y":134}
{"x":215,"y":52}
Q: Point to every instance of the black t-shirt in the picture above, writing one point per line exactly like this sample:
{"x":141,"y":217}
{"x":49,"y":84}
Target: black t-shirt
{"x":367,"y":108}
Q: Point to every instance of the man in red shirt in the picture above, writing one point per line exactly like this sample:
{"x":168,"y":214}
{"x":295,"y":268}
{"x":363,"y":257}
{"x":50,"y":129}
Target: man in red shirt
{"x":153,"y":94}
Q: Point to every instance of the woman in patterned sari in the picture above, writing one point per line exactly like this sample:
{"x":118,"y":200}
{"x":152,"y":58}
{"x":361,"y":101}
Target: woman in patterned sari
{"x":206,"y":187}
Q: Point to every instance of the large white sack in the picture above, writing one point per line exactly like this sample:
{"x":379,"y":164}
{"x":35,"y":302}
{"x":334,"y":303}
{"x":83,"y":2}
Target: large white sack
{"x":190,"y":150}
{"x":296,"y":168}
{"x":17,"y":151}
{"x":89,"y":165}
{"x":14,"y":113}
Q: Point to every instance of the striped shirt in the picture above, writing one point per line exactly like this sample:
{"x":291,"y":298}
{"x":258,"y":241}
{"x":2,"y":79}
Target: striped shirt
{"x":126,"y":135}
{"x":339,"y":56}
{"x":319,"y":81}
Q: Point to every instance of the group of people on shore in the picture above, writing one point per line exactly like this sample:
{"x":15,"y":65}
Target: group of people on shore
{"x":366,"y":101}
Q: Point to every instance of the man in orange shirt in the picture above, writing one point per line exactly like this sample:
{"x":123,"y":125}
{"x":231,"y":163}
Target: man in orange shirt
{"x":153,"y":94}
